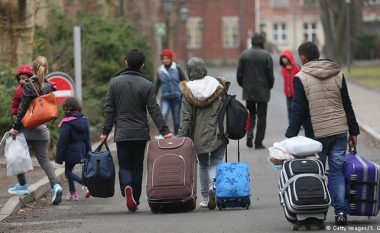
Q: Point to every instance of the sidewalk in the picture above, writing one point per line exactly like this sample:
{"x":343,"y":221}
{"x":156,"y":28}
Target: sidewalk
{"x":39,"y":185}
{"x":366,"y":104}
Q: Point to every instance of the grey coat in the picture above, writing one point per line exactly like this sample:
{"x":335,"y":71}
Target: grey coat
{"x":130,"y":95}
{"x":255,"y":74}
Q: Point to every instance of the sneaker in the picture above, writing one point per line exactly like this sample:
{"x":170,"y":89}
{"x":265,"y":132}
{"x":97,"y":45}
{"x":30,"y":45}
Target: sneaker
{"x":56,"y":194}
{"x":129,"y":201}
{"x":204,"y":202}
{"x":72,"y":197}
{"x":249,"y":143}
{"x":211,"y":199}
{"x":19,"y":189}
{"x":341,"y":219}
{"x":87,"y":192}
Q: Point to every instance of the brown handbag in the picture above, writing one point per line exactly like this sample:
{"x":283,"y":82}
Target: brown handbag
{"x":41,"y":109}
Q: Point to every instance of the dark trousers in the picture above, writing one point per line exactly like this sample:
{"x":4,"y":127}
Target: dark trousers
{"x":71,"y":177}
{"x":257,"y":110}
{"x":130,"y":155}
{"x":289,"y":104}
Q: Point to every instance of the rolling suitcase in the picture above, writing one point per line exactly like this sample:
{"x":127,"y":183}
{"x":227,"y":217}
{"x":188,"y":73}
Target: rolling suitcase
{"x":362,"y":185}
{"x":232,"y":184}
{"x":303,"y":193}
{"x":171,"y":175}
{"x":98,"y":172}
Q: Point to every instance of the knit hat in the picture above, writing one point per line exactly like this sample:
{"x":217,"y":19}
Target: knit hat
{"x":167,"y":53}
{"x":24,"y":69}
{"x":196,"y":68}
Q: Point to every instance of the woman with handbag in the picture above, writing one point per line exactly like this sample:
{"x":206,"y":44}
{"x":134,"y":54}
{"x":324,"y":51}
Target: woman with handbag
{"x":37,"y":136}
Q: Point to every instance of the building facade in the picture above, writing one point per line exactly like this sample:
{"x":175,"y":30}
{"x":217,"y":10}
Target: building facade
{"x":288,"y":23}
{"x":215,"y":30}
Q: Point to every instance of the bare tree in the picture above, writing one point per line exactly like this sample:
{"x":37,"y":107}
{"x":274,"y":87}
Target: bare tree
{"x":334,"y":21}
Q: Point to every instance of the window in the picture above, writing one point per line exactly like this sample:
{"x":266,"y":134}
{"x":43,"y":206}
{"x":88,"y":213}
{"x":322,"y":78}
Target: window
{"x":310,"y":3}
{"x":279,"y":32}
{"x":279,"y":3}
{"x":194,"y":28}
{"x":310,"y":32}
{"x":230,"y":31}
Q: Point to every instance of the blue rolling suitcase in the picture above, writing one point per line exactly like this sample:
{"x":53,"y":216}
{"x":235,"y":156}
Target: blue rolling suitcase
{"x":232,"y":184}
{"x":362,"y":185}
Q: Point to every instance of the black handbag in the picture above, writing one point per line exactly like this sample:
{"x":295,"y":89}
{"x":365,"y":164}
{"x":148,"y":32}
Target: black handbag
{"x":99,"y":172}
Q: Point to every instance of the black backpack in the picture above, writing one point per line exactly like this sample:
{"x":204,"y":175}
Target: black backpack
{"x":238,"y":118}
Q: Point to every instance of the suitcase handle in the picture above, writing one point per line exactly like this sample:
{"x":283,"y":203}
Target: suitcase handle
{"x":238,"y":151}
{"x":352,"y":150}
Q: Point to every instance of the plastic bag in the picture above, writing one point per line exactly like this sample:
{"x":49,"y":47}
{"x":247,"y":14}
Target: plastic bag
{"x":2,"y":143}
{"x":17,"y":155}
{"x":299,"y":146}
{"x":277,"y":157}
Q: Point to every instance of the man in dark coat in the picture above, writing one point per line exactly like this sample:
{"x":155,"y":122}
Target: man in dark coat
{"x":255,"y":76}
{"x":130,"y":95}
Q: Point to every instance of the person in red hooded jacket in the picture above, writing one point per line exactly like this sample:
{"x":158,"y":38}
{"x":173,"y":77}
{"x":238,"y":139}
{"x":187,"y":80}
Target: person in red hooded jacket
{"x":289,"y":69}
{"x":23,"y":73}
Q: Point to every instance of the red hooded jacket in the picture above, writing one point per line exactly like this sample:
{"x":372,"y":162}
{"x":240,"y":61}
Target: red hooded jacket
{"x":288,"y":73}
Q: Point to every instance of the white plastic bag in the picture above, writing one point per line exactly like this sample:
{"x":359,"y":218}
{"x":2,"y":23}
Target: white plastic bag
{"x":2,"y":143}
{"x":299,"y":146}
{"x":17,"y":155}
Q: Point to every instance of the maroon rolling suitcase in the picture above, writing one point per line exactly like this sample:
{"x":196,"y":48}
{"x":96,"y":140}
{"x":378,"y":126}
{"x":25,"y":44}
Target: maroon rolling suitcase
{"x":171,"y":174}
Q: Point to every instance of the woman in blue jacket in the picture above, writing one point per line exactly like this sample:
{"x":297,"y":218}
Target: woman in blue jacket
{"x":73,"y":143}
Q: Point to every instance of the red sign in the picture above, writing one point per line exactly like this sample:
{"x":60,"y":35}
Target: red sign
{"x":64,"y":84}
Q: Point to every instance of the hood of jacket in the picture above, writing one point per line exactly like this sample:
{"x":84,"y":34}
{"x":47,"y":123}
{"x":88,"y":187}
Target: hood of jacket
{"x":77,"y":121}
{"x":288,"y":54}
{"x":321,"y":69}
{"x":203,"y":92}
{"x":196,"y":68}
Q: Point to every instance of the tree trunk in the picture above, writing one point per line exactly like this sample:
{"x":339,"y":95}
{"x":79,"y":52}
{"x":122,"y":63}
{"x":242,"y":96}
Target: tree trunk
{"x":334,"y":22}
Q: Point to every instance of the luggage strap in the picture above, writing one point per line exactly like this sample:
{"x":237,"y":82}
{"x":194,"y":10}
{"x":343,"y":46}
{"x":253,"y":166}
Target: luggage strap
{"x":286,"y":185}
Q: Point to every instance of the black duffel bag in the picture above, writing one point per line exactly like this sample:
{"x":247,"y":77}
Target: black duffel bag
{"x":99,"y":172}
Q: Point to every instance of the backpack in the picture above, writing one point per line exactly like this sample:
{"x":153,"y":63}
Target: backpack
{"x":238,"y":118}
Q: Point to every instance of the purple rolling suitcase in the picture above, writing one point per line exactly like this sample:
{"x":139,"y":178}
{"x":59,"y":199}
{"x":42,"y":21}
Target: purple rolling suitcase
{"x":362,"y":185}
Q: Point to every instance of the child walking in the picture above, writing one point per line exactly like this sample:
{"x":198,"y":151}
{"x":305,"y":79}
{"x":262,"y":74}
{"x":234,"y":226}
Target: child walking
{"x":73,"y":143}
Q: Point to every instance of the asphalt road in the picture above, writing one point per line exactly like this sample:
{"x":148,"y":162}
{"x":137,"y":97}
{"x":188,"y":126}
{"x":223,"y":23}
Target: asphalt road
{"x":265,"y":215}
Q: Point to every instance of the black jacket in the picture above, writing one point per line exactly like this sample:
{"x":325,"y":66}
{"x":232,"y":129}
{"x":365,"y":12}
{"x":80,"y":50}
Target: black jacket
{"x":301,"y":113}
{"x":28,"y":94}
{"x":255,"y":74}
{"x":74,"y":139}
{"x":130,"y":95}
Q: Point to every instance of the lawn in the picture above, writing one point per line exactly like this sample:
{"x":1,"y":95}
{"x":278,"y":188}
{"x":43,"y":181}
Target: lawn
{"x":366,"y":75}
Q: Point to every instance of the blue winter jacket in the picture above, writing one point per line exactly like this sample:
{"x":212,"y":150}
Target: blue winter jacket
{"x":74,"y":139}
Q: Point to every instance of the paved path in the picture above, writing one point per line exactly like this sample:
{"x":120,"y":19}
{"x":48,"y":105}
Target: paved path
{"x":265,"y":214}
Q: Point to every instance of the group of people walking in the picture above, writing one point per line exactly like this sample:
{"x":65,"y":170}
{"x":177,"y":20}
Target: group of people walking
{"x":316,"y":97}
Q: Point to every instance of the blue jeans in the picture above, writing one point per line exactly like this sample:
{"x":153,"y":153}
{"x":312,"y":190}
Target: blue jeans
{"x":334,"y":147}
{"x":207,"y":168}
{"x":173,"y":104}
{"x":71,"y":177}
{"x":130,"y":155}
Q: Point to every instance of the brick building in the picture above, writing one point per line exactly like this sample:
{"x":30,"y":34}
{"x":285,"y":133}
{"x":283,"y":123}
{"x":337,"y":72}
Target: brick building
{"x":217,"y":30}
{"x":288,"y":23}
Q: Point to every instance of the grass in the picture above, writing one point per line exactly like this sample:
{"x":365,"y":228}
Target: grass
{"x":365,"y":75}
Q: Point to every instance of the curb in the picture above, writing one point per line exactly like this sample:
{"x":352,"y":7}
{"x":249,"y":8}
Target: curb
{"x":36,"y":191}
{"x":370,"y":131}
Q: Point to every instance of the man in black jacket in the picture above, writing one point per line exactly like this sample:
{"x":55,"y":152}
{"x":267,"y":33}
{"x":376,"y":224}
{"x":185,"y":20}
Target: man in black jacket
{"x":129,"y":97}
{"x":255,"y":76}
